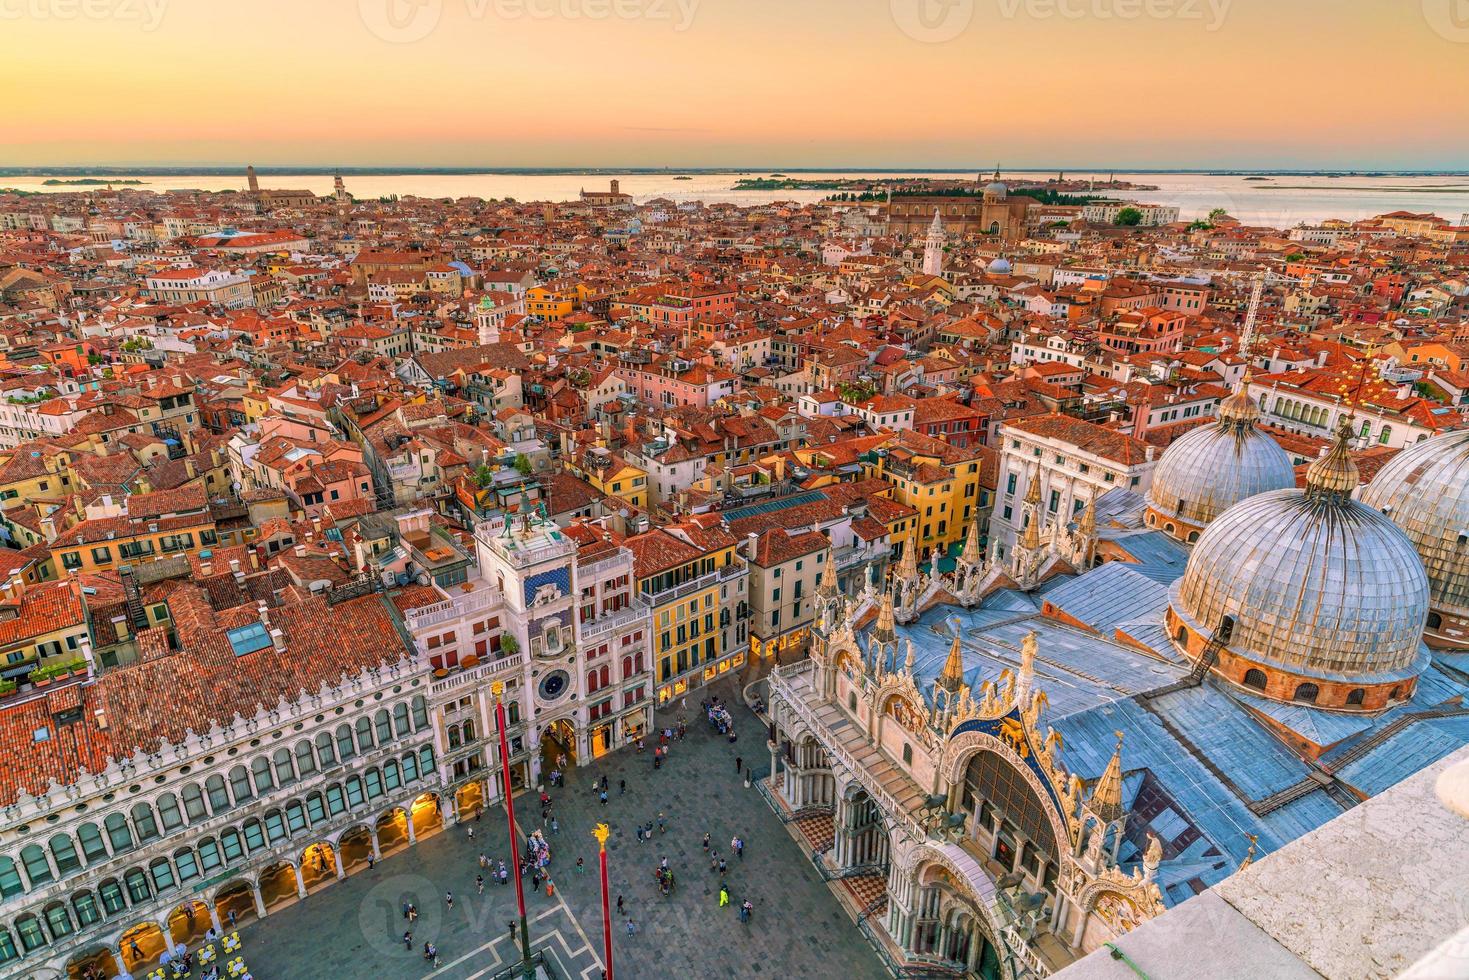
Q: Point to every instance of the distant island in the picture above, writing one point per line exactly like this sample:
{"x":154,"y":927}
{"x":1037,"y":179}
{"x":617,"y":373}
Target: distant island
{"x":91,"y":181}
{"x":788,"y":184}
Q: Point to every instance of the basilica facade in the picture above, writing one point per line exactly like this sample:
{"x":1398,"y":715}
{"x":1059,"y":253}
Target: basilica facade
{"x":1003,"y":767}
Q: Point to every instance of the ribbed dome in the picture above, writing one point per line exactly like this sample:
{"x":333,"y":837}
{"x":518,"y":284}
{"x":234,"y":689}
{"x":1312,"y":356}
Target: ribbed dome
{"x":1317,"y":583}
{"x":1425,"y":491}
{"x":1215,"y":466}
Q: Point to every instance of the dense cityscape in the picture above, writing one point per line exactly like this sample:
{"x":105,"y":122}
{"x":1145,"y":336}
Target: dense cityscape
{"x":1023,"y":564}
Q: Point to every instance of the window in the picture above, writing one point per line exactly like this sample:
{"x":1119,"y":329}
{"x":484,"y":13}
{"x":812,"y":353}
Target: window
{"x":254,"y":835}
{"x":169,"y":811}
{"x":336,"y":803}
{"x":219,"y":797}
{"x":364,"y":734}
{"x":400,"y":720}
{"x":345,"y":747}
{"x":1355,"y":695}
{"x":410,"y":767}
{"x":354,"y":791}
{"x":1306,"y":693}
{"x":305,"y":759}
{"x":374,"y":784}
{"x":240,"y":784}
{"x":384,"y":727}
{"x":275,"y":826}
{"x":284,"y":774}
{"x":110,"y":893}
{"x":31,"y":936}
{"x":188,"y":866}
{"x":392,"y":777}
{"x":234,"y":847}
{"x":209,"y":858}
{"x":315,"y":808}
{"x":86,"y":908}
{"x":162,"y":873}
{"x":420,"y":714}
{"x":324,"y":750}
{"x":118,"y":834}
{"x":137,"y":886}
{"x":64,"y":853}
{"x":38,"y":870}
{"x":93,"y":848}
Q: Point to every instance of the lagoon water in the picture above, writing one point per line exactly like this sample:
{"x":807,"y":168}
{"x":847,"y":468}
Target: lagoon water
{"x":1282,"y":201}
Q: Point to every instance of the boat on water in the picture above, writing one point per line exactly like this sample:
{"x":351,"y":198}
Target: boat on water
{"x":682,"y":177}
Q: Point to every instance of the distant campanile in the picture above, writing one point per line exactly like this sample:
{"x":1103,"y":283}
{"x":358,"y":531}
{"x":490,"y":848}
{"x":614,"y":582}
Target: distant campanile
{"x":251,"y":180}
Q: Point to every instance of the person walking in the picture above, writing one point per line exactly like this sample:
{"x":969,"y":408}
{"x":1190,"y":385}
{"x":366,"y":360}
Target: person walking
{"x":580,"y":865}
{"x":714,"y":862}
{"x":479,"y":884}
{"x":621,"y":786}
{"x":471,"y":833}
{"x":631,"y":928}
{"x":619,"y":906}
{"x":722,"y":868}
{"x":602,"y":795}
{"x":706,"y":843}
{"x":449,"y":900}
{"x":738,"y":762}
{"x":745,"y":909}
{"x":723,"y":896}
{"x":555,"y":826}
{"x":407,"y":940}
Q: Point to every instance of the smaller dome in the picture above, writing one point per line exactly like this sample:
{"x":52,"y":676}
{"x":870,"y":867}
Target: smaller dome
{"x":1000,"y":266}
{"x":996,"y":188}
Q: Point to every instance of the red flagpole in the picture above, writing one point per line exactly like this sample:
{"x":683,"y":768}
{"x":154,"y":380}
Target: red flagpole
{"x":601,"y":832}
{"x":498,"y":688}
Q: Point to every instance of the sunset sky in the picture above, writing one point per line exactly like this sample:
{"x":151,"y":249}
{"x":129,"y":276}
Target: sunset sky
{"x":795,"y":83}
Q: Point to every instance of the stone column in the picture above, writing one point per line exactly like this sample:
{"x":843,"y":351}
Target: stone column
{"x":167,"y":932}
{"x":300,"y":882}
{"x":377,"y":854}
{"x":408,"y":818}
{"x":214,"y":919}
{"x":259,"y":901}
{"x":337,"y":858}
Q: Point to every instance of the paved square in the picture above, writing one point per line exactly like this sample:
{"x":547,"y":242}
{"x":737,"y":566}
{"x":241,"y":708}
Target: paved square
{"x":354,"y":928}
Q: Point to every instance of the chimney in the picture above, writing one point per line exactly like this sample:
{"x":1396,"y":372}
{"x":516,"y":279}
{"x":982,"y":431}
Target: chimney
{"x":300,"y":551}
{"x":277,"y":639}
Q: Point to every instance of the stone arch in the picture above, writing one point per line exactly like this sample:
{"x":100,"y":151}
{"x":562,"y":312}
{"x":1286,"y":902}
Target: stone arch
{"x":141,"y":945}
{"x":354,"y":844}
{"x":391,"y":827}
{"x":318,"y":864}
{"x":98,"y":956}
{"x":965,"y":882}
{"x":428,"y":813}
{"x":237,"y":896}
{"x":188,"y":922}
{"x":966,"y":745}
{"x":278,"y":884}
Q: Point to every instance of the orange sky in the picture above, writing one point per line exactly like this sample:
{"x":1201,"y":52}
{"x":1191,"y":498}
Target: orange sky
{"x":818,"y":83}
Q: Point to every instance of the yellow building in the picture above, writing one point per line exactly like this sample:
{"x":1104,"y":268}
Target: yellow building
{"x":148,"y":527}
{"x":941,"y":482}
{"x":609,"y":473}
{"x":696,"y":594}
{"x":551,"y":302}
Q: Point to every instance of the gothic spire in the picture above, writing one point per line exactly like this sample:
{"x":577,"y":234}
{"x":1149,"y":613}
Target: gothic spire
{"x":953,"y":676}
{"x":884,"y":633}
{"x":1106,"y":798}
{"x":972,"y":555}
{"x":828,"y":587}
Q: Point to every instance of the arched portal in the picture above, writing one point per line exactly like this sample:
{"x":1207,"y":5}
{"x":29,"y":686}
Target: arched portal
{"x":1008,"y":818}
{"x":189,"y":922}
{"x":558,"y":746}
{"x":470,"y":798}
{"x":234,"y":903}
{"x":392,"y":831}
{"x":95,"y":962}
{"x":278,"y":886}
{"x":318,"y":865}
{"x":355,"y":846}
{"x":141,"y":947}
{"x":427,"y":815}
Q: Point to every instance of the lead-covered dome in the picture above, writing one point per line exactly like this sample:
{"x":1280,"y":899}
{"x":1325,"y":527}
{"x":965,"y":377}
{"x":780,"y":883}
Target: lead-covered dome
{"x":1326,"y":596}
{"x":1424,"y":490}
{"x":1213,"y":467}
